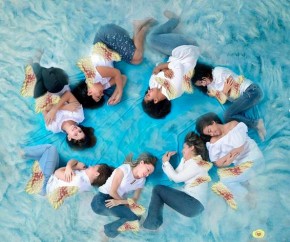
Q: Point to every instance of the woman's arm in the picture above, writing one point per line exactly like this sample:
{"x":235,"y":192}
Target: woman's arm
{"x":160,"y":67}
{"x":229,"y":158}
{"x":66,"y":173}
{"x":67,"y":97}
{"x":137,"y":194}
{"x":116,"y":78}
{"x":117,"y":200}
{"x":182,"y":175}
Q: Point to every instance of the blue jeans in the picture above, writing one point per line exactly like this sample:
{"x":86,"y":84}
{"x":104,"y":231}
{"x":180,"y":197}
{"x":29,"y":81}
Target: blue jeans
{"x":163,"y":40}
{"x":117,"y":39}
{"x":245,"y":104}
{"x":48,"y":159}
{"x":123,"y":212}
{"x":178,"y":200}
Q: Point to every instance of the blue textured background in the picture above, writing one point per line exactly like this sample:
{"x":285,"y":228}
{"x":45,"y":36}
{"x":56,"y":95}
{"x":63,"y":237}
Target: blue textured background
{"x":249,"y":37}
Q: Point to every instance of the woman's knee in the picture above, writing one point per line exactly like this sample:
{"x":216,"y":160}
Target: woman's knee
{"x":137,"y":57}
{"x":228,"y":115}
{"x":158,"y":189}
{"x":96,"y":205}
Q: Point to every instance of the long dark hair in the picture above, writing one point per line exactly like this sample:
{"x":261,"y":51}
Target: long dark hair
{"x":204,"y":121}
{"x":202,"y":70}
{"x":81,"y":94}
{"x":193,"y":139}
{"x":87,"y":142}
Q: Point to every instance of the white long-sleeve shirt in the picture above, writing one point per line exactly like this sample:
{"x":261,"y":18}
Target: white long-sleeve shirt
{"x":187,"y":172}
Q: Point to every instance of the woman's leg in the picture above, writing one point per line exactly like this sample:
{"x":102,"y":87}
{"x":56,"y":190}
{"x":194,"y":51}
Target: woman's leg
{"x":117,"y":39}
{"x":177,"y":200}
{"x":236,"y":111}
{"x":121,"y":211}
{"x":163,"y":40}
{"x":47,"y":157}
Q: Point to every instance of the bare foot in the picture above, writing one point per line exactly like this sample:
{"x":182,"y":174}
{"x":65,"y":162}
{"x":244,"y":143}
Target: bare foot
{"x":261,"y":129}
{"x":103,"y":236}
{"x":145,"y":23}
{"x":38,"y":55}
{"x":168,"y":14}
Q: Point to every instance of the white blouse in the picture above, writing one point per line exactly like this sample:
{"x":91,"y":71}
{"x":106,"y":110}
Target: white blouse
{"x":182,"y":61}
{"x":80,"y":180}
{"x":235,"y":138}
{"x":187,"y":172}
{"x":220,"y":75}
{"x":65,"y":115}
{"x":98,"y":60}
{"x":128,"y":183}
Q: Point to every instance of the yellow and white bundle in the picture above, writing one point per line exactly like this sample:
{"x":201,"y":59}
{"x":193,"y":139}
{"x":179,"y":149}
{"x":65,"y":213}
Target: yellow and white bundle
{"x":56,"y":197}
{"x":29,"y":82}
{"x":221,"y":190}
{"x":108,"y":54}
{"x":43,"y":102}
{"x":234,"y":171}
{"x":35,"y":183}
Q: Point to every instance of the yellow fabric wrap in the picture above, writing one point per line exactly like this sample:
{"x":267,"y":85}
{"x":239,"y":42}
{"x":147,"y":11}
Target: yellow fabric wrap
{"x":108,"y":54}
{"x":130,"y":226}
{"x":29,"y":82}
{"x":136,"y":208}
{"x":234,"y":171}
{"x":221,"y":190}
{"x":56,"y":197}
{"x":35,"y":183}
{"x":43,"y":102}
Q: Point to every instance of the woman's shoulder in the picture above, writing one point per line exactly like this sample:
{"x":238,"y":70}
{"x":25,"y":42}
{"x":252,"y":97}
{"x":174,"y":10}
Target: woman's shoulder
{"x":237,"y":127}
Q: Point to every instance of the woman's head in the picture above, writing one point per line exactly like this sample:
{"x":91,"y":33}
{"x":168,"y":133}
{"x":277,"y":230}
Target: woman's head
{"x":194,"y":145}
{"x":100,"y":174}
{"x":202,"y":76}
{"x":96,"y":91}
{"x":143,"y":166}
{"x":81,"y":94}
{"x":153,"y":106}
{"x":206,"y":126}
{"x":80,"y":137}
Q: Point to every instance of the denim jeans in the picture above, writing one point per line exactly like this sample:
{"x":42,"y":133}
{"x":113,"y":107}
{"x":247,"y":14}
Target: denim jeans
{"x":48,"y":159}
{"x":163,"y":40}
{"x":245,"y":104}
{"x":117,"y":39}
{"x":177,"y":200}
{"x":123,"y":212}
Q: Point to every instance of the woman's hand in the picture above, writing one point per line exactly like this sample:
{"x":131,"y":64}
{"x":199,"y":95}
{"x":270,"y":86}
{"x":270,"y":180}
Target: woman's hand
{"x":50,"y":115}
{"x":68,"y":174}
{"x":116,"y":97}
{"x":168,"y":73}
{"x":166,"y":157}
{"x":112,"y":203}
{"x":228,"y":85}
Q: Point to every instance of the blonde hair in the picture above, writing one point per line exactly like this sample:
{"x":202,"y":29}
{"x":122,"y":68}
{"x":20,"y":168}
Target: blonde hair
{"x":147,"y":158}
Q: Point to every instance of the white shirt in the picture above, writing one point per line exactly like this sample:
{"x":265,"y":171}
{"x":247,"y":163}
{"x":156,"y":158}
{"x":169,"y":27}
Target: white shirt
{"x":233,"y":139}
{"x":182,"y":62}
{"x":80,"y":180}
{"x":220,"y":75}
{"x":128,"y":183}
{"x":65,"y":115}
{"x":187,"y":172}
{"x":98,"y":60}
